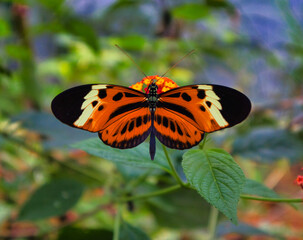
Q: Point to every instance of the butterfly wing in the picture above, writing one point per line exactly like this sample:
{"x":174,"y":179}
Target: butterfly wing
{"x":129,"y":130}
{"x":119,"y":114}
{"x":184,"y":114}
{"x":174,"y":131}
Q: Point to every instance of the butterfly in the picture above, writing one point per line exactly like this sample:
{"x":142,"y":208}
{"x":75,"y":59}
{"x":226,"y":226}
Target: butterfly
{"x":177,"y":116}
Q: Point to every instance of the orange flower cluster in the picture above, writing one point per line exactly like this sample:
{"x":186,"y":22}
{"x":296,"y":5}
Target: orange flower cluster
{"x":164,"y":84}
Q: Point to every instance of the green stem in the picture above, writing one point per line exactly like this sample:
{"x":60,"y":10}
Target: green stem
{"x":293,"y":200}
{"x":201,"y":146}
{"x":117,"y":223}
{"x":176,"y":187}
{"x":152,"y":194}
{"x":213,"y":218}
{"x":174,"y":172}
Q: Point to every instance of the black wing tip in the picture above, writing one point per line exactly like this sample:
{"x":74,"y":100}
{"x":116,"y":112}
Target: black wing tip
{"x":236,"y":106}
{"x":66,"y":106}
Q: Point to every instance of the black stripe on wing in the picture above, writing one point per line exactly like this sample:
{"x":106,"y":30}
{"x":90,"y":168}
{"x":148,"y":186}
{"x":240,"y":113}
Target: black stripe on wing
{"x":175,"y":107}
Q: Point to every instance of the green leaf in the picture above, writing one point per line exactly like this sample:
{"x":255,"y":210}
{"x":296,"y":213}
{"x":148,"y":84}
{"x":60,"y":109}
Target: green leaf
{"x":174,"y":210}
{"x":268,"y":145}
{"x":52,"y":199}
{"x":129,"y":172}
{"x":252,"y":187}
{"x":131,"y":42}
{"x":191,"y":11}
{"x":138,"y":156}
{"x":4,"y":28}
{"x":16,"y":51}
{"x":216,"y":177}
{"x":129,"y":232}
{"x":90,"y":176}
{"x":85,"y":234}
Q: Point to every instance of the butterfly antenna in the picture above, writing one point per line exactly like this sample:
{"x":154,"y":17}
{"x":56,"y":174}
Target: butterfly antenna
{"x":122,"y":50}
{"x":180,"y":60}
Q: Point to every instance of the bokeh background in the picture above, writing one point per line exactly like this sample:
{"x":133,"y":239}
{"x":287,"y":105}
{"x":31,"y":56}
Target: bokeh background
{"x":47,"y":46}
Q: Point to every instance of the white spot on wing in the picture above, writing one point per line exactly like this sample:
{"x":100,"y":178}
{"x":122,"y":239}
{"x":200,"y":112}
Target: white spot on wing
{"x":89,"y":101}
{"x":205,"y":87}
{"x":98,"y":87}
{"x":215,"y":107}
{"x":84,"y":116}
{"x":218,"y":116}
{"x":214,"y":102}
{"x":92,"y":93}
{"x":87,"y":106}
{"x":212,"y":94}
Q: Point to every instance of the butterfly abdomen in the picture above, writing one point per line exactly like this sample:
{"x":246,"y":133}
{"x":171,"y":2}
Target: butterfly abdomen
{"x":152,"y":98}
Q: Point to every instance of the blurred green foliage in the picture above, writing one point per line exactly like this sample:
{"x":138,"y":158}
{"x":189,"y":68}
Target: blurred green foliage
{"x":47,"y":46}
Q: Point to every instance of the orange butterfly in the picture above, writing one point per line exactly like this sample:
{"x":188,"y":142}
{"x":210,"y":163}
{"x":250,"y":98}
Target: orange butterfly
{"x":178,"y":116}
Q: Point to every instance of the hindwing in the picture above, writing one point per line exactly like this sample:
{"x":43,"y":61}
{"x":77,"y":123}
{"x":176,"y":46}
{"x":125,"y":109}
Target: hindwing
{"x":174,"y":131}
{"x":128,"y":131}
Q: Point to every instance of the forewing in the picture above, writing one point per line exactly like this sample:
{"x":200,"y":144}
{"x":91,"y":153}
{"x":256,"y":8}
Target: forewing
{"x":95,"y":107}
{"x":206,"y":107}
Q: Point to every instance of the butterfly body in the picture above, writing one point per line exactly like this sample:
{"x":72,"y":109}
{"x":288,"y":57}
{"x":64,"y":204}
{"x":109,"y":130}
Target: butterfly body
{"x":152,"y":96}
{"x":125,"y":117}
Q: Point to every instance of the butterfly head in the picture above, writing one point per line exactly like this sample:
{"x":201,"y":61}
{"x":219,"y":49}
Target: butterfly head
{"x":151,"y":83}
{"x":153,"y":88}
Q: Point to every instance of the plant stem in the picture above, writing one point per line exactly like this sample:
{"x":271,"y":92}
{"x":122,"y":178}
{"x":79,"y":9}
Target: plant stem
{"x":174,"y":172}
{"x":117,"y":223}
{"x":213,"y":218}
{"x":201,"y":146}
{"x":152,"y":194}
{"x":293,"y":200}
